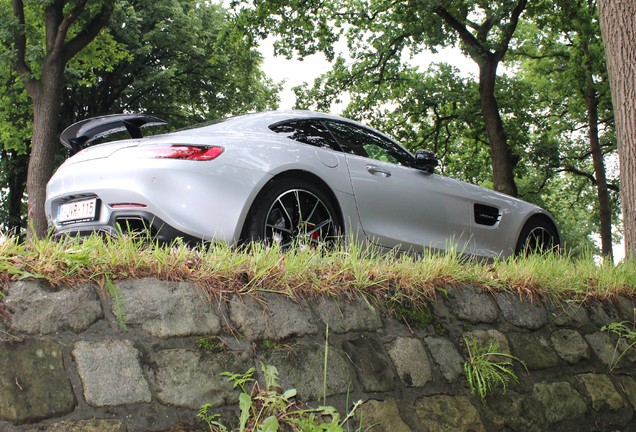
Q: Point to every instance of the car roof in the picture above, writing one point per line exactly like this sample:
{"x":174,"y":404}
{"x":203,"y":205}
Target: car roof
{"x":261,"y":121}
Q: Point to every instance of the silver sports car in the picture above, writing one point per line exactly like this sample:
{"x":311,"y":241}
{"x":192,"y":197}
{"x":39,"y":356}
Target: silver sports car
{"x":280,"y":177}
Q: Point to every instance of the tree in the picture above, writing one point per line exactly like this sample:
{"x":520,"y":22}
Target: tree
{"x":381,"y":33}
{"x":15,"y":128}
{"x":618,"y":27}
{"x":68,"y":27}
{"x":562,"y":58}
{"x":184,"y":63}
{"x":179,"y":60}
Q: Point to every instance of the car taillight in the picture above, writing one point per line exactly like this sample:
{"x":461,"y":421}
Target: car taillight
{"x":183,"y":152}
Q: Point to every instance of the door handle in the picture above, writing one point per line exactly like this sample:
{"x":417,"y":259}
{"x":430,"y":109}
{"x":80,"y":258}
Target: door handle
{"x":378,"y":171}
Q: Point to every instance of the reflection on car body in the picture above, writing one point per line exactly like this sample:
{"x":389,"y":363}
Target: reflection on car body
{"x":280,"y":177}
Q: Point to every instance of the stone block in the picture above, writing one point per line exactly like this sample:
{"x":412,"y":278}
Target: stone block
{"x":603,"y":347}
{"x":37,"y":309}
{"x":167,"y":309}
{"x":272,"y":317}
{"x":33,"y":382}
{"x":411,"y":361}
{"x":347,"y":316}
{"x":191,"y":378}
{"x":560,"y":401}
{"x":472,"y":304}
{"x":110,"y":372}
{"x":570,"y":346}
{"x":534,"y":350}
{"x":628,"y":384}
{"x":511,"y":411}
{"x":602,"y":392}
{"x":381,"y":416}
{"x":567,"y":314}
{"x":372,"y":366}
{"x":602,"y":313}
{"x":446,"y":356}
{"x":8,"y":427}
{"x":444,"y":413}
{"x":301,"y":367}
{"x":626,"y":307}
{"x":484,"y":338}
{"x":522,"y":313}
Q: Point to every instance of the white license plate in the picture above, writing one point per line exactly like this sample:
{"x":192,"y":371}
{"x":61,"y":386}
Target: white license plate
{"x":77,"y":211}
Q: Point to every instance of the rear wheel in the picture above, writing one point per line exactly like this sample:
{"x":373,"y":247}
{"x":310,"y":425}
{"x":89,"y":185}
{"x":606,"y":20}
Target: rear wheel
{"x":537,"y":236}
{"x":290,"y":213}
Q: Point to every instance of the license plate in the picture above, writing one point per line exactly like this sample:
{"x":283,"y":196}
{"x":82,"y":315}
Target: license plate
{"x":77,"y":211}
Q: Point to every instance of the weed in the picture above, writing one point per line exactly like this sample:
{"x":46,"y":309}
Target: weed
{"x":415,"y":315}
{"x":118,"y":305}
{"x":210,"y":344}
{"x":211,"y":420}
{"x":268,"y":344}
{"x":487,"y":367}
{"x":272,"y":409}
{"x":625,"y":342}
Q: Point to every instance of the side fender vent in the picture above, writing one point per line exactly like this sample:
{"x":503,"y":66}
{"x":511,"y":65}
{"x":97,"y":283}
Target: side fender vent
{"x":486,"y":215}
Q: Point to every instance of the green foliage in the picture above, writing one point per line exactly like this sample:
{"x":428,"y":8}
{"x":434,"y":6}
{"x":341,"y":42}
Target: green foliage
{"x":181,"y":60}
{"x":487,"y":368}
{"x":626,"y":332}
{"x":267,"y":344}
{"x":560,"y":57}
{"x":211,"y":420}
{"x":416,"y":316}
{"x":271,"y":409}
{"x":540,"y":94}
{"x":185,"y":62}
{"x":210,"y":344}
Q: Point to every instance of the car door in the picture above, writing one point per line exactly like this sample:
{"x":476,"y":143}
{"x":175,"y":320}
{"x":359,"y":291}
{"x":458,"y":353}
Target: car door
{"x":400,"y":206}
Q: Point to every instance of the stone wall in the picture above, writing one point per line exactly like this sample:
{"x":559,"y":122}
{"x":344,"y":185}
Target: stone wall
{"x":147,"y":355}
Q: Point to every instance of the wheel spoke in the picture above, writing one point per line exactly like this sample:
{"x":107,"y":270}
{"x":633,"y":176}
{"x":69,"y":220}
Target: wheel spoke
{"x":317,"y":228}
{"x":311,"y":213}
{"x":298,"y":208}
{"x":285,"y":212}
{"x":279,"y":228}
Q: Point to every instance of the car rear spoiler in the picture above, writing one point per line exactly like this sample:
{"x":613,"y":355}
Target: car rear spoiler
{"x":79,"y":135}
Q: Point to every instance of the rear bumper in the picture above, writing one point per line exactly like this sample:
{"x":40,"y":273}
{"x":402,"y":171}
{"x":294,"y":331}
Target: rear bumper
{"x":127,"y":222}
{"x":192,"y":200}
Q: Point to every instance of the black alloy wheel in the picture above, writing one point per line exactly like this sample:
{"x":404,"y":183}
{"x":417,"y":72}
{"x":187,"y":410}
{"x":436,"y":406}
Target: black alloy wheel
{"x":537,"y":237}
{"x":290,"y":215}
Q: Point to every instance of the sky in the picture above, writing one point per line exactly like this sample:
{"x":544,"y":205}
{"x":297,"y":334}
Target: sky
{"x":296,"y":72}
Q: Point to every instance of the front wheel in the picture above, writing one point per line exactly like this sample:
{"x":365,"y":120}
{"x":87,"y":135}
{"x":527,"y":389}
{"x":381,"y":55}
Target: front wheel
{"x":290,"y":213}
{"x":537,"y":237}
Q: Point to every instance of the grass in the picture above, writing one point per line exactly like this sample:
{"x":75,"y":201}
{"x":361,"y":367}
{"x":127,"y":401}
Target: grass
{"x":346,"y":271}
{"x":487,"y":368}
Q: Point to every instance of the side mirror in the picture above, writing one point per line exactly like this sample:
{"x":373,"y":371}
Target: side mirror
{"x":426,"y":160}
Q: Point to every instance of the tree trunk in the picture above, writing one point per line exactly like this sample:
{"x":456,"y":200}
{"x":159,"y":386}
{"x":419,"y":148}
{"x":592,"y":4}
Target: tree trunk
{"x":501,"y":156}
{"x":618,"y":28}
{"x":46,"y":95}
{"x":605,"y":208}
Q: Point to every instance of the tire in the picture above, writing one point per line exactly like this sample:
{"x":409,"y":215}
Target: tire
{"x":537,"y":237}
{"x":291,"y":213}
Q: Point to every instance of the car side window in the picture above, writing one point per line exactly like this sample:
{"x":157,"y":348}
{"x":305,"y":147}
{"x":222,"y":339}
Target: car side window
{"x":308,"y":132}
{"x":363,"y":142}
